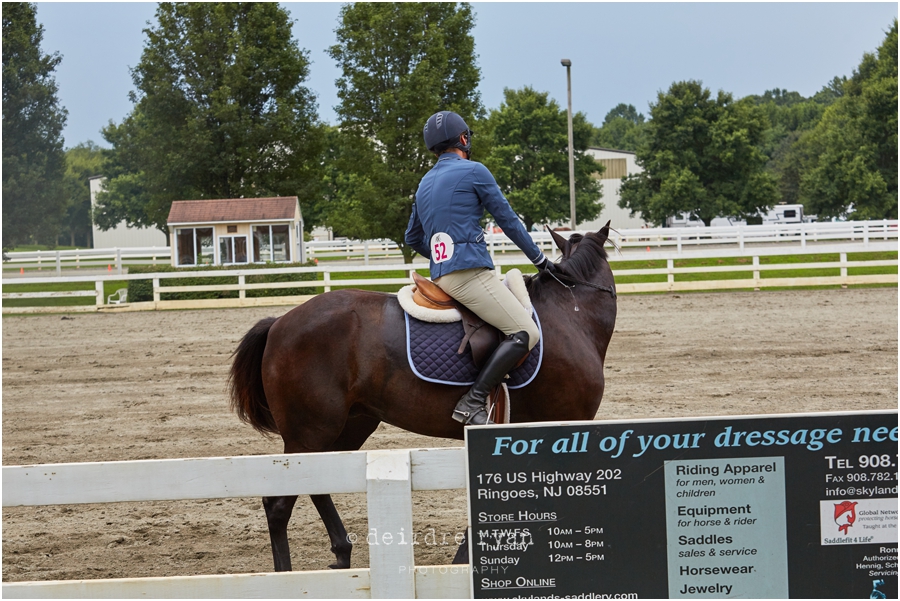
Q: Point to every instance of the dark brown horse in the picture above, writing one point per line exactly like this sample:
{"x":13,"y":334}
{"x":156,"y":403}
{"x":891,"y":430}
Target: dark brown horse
{"x":325,"y":374}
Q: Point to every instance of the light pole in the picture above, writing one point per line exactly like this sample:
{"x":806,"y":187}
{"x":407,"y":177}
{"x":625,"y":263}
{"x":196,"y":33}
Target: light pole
{"x":568,"y":65}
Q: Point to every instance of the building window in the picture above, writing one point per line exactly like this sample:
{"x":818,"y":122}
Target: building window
{"x":232,"y":249}
{"x":615,"y":168}
{"x":271,"y":243}
{"x":195,"y":245}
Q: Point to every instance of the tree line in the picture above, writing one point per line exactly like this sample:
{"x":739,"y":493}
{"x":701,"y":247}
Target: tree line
{"x":834,"y":152}
{"x":220,"y":110}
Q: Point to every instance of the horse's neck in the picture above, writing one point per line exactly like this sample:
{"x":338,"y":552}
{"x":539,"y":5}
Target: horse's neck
{"x":558,"y":310}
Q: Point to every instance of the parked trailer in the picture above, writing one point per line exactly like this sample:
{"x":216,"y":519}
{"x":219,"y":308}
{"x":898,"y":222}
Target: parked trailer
{"x":782,"y":213}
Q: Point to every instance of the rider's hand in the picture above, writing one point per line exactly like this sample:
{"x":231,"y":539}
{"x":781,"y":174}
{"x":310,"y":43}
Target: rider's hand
{"x":547,"y":265}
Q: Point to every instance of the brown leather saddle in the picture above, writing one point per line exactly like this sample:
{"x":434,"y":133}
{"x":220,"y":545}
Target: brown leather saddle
{"x":481,"y":337}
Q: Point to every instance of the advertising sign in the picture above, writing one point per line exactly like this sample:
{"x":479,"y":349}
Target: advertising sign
{"x":795,"y":506}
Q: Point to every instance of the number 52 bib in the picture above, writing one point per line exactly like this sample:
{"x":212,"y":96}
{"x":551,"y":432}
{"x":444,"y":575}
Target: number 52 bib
{"x":441,"y":247}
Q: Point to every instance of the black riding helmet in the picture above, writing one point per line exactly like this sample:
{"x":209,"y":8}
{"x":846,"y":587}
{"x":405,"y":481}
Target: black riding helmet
{"x":442,"y":131}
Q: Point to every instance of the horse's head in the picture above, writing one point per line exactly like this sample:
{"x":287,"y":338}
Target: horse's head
{"x":584,"y":260}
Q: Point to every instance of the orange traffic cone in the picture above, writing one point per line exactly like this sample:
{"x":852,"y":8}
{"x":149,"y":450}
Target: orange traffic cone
{"x":21,"y":271}
{"x":648,"y":249}
{"x":109,"y":267}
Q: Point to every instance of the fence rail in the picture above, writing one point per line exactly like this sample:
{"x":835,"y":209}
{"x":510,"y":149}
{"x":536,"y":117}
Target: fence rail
{"x":385,"y":275}
{"x":386,"y":477}
{"x":117,"y":259}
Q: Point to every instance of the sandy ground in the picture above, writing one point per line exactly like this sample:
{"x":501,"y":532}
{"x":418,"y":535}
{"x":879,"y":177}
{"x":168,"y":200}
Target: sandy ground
{"x":110,"y":387}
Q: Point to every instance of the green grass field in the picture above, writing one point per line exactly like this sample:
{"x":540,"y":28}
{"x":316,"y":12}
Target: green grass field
{"x":108,"y":289}
{"x":336,"y":277}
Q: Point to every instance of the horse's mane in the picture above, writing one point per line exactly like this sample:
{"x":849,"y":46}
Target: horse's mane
{"x":582,"y":263}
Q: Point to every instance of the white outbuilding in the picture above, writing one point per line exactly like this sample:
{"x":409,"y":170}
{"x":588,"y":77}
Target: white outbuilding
{"x":618,"y":164}
{"x":122,"y":236}
{"x":235,"y":231}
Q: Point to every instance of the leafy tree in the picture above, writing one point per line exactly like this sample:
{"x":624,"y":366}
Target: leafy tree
{"x":33,"y":159}
{"x":82,"y":162}
{"x":851,"y":155}
{"x":622,"y":129}
{"x":220,"y":112}
{"x":831,"y":91}
{"x":700,"y":156}
{"x":530,"y":158}
{"x":401,"y":63}
{"x":789,"y":115}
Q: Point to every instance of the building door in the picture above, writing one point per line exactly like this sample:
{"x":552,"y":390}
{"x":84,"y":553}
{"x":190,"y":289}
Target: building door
{"x":232,"y":249}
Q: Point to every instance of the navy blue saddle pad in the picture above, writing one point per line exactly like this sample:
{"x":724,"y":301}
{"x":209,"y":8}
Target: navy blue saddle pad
{"x":431,"y":349}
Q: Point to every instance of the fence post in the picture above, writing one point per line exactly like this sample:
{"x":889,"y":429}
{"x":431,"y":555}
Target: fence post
{"x":843,"y":270}
{"x":119,"y":261}
{"x":389,"y":499}
{"x":98,"y":287}
{"x":156,"y":295}
{"x":802,"y":236}
{"x":39,"y":260}
{"x":58,"y":264}
{"x":756,"y":273}
{"x":865,"y":234}
{"x":678,"y":238}
{"x":670,"y":276}
{"x":327,"y":276}
{"x":491,"y":225}
{"x":741,"y":238}
{"x":366,"y":253}
{"x":242,"y":280}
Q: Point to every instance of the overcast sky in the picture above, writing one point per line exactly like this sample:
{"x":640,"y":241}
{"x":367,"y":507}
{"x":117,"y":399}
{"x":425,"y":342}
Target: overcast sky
{"x":622,"y":52}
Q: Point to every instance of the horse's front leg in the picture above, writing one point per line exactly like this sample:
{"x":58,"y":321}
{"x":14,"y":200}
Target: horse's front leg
{"x":278,"y":513}
{"x":340,"y":545}
{"x":462,"y":554}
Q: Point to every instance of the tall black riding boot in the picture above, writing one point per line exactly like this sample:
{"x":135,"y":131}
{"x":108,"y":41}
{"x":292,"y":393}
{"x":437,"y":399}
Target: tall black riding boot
{"x":471,"y":407}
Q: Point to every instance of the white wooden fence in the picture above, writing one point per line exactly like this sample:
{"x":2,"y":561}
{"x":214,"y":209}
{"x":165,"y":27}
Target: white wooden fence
{"x":754,"y":269}
{"x":387,"y":478}
{"x":111,"y":259}
{"x":116,"y":259}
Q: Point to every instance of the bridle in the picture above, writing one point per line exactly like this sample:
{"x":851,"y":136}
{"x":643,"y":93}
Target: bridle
{"x":576,"y":281}
{"x":583,"y":283}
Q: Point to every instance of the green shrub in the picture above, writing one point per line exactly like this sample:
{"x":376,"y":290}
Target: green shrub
{"x":142,"y":290}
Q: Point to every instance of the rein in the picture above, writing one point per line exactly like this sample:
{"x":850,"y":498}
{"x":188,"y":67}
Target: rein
{"x":576,"y":281}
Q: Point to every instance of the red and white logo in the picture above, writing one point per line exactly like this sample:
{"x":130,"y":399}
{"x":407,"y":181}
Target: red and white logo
{"x":845,"y":515}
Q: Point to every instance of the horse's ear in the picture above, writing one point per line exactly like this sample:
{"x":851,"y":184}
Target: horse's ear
{"x":559,"y":240}
{"x":603,"y":234}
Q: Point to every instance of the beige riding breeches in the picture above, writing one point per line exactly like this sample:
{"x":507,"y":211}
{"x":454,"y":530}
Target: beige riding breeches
{"x":484,"y":294}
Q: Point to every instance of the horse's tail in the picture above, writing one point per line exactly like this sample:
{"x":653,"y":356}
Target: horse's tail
{"x":248,"y":399}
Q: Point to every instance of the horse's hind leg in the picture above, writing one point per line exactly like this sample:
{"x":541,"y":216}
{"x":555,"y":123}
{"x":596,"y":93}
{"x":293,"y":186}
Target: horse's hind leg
{"x":356,"y":431}
{"x":340,"y":544}
{"x":278,"y":513}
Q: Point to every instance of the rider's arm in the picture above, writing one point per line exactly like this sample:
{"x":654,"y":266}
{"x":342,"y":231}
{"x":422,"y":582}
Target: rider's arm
{"x":415,"y":235}
{"x":497,"y":205}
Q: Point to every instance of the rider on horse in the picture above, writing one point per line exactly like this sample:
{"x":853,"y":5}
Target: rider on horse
{"x":445,"y":227}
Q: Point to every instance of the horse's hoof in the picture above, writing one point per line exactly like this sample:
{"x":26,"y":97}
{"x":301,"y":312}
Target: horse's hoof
{"x":340,"y":564}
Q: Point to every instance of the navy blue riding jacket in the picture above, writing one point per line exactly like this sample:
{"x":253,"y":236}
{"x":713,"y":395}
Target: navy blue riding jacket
{"x":444,"y":225}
